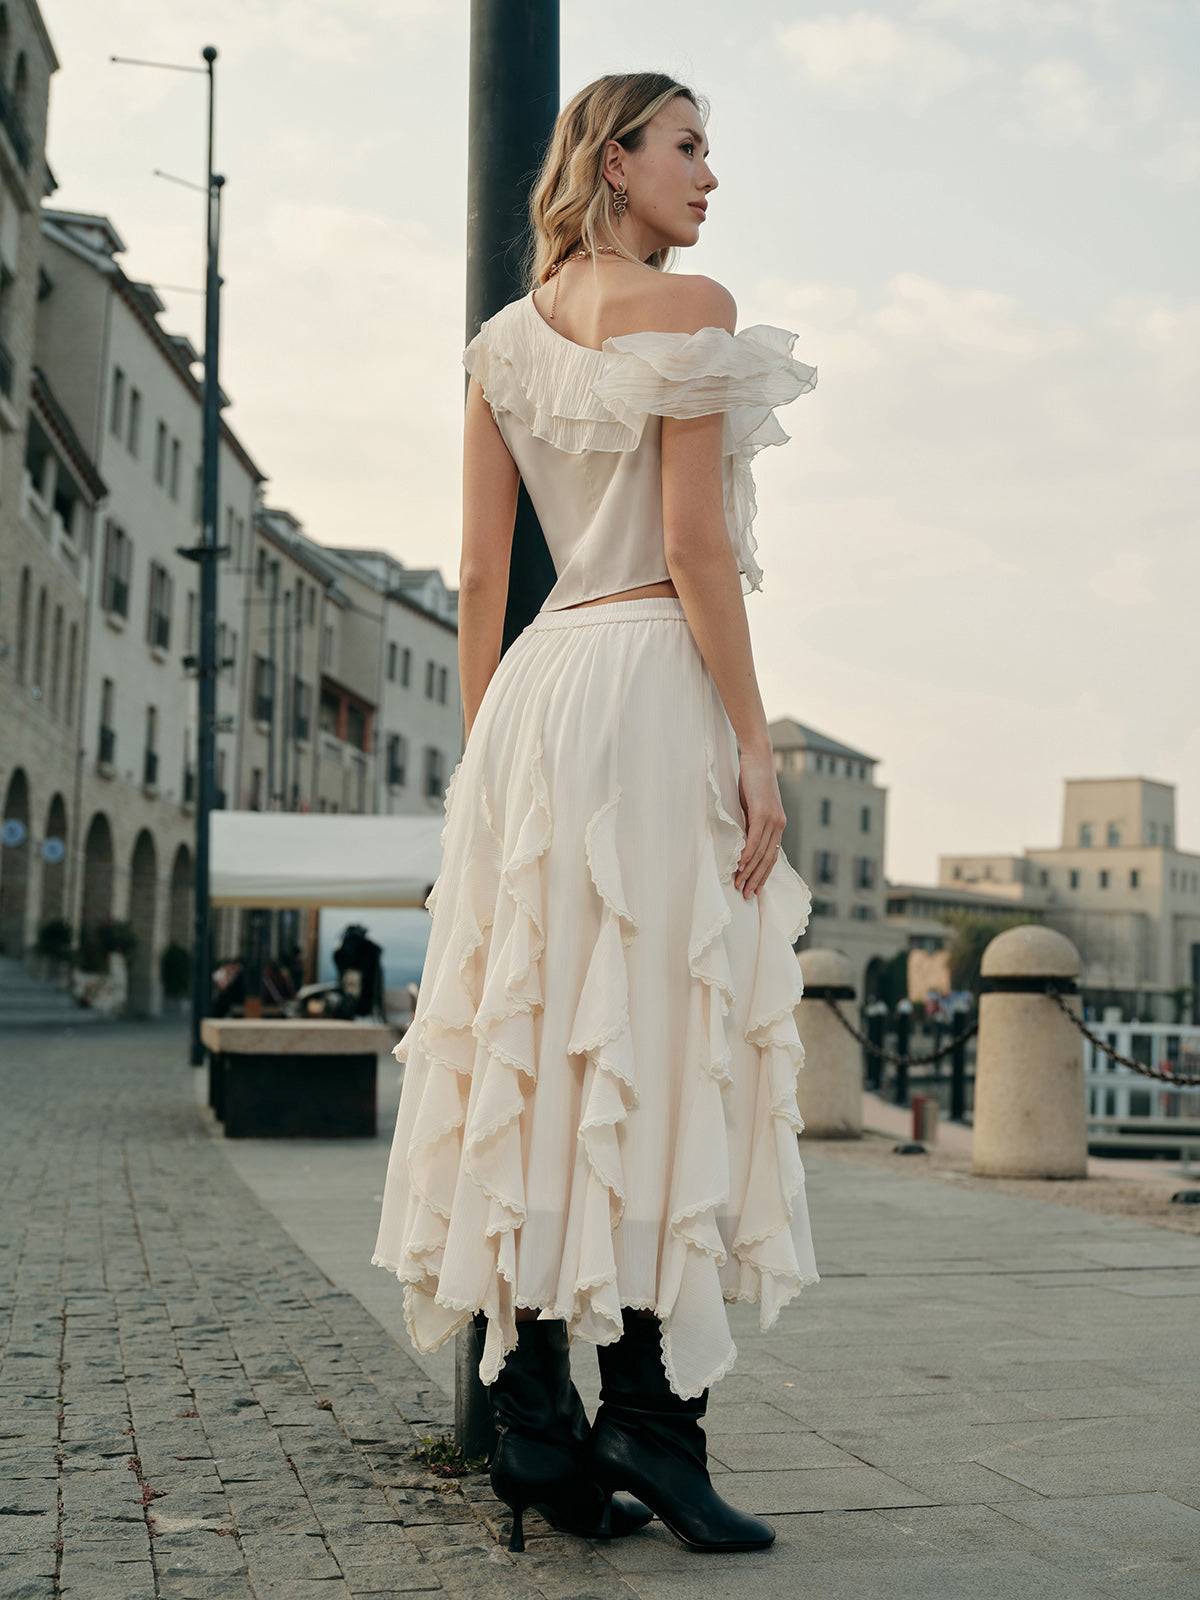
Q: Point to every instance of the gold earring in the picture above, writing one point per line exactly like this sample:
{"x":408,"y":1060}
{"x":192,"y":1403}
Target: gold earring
{"x":620,"y":200}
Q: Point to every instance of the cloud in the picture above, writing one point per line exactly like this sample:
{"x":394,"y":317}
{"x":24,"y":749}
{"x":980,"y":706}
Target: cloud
{"x":1178,"y":162}
{"x":869,"y":54}
{"x":996,"y":16}
{"x":1057,"y":104}
{"x":1122,"y":581}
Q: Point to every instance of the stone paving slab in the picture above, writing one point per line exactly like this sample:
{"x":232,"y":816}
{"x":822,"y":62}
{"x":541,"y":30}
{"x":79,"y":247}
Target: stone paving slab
{"x":987,"y":1395}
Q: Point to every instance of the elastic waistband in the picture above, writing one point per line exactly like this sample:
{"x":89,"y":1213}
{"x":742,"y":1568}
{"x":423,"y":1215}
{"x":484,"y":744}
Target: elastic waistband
{"x":653,"y":608}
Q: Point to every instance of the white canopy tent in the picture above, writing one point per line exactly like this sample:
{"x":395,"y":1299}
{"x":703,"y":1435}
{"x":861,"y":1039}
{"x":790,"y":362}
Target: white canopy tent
{"x":279,"y":859}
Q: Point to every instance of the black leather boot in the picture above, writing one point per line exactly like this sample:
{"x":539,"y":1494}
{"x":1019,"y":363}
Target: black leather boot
{"x":542,"y":1452}
{"x":647,"y":1439}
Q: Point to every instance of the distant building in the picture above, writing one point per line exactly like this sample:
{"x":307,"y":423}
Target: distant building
{"x":127,"y":386}
{"x":834,"y":838}
{"x":1116,"y":885}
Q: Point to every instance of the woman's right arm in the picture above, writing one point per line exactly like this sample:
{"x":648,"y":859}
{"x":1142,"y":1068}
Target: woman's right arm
{"x":490,"y":483}
{"x":704,"y":571}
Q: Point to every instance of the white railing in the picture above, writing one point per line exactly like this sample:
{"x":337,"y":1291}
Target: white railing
{"x":1115,"y":1091}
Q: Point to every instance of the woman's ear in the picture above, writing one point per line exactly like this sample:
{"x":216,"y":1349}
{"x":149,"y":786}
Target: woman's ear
{"x":614,"y":164}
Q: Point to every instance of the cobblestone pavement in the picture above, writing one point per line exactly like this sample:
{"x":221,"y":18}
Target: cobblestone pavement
{"x":188,"y":1408}
{"x":988,"y":1397}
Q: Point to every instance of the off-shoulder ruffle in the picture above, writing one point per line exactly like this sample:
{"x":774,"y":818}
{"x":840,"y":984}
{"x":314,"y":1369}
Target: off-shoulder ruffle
{"x":578,"y":399}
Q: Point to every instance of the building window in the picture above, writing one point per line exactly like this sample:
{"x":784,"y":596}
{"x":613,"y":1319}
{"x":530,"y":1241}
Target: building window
{"x":264,"y":689}
{"x":397,"y":760}
{"x":302,"y":700}
{"x":133,"y":439}
{"x":260,"y":569}
{"x":331,"y":711}
{"x":39,"y":644}
{"x":1104,"y":877}
{"x":825,"y":865}
{"x":150,"y":764}
{"x":824,"y":908}
{"x":429,"y":671}
{"x":312,"y":605}
{"x":1043,"y":877}
{"x":1073,"y":878}
{"x":160,"y":453}
{"x":864,"y":819}
{"x":405,"y":668}
{"x":442,"y":685}
{"x":23,"y":624}
{"x":230,"y":659}
{"x":72,"y":648}
{"x":327,"y":646}
{"x":435,"y":778}
{"x":1114,"y":833}
{"x":118,"y":557}
{"x":108,"y":736}
{"x":393,"y":662}
{"x":864,"y":872}
{"x":1085,"y":835}
{"x":256,"y":789}
{"x":1166,"y":839}
{"x":826,"y":811}
{"x":356,"y":727}
{"x":158,"y":615}
{"x":116,"y":410}
{"x":1133,"y":877}
{"x":173,"y":479}
{"x":191,"y":622}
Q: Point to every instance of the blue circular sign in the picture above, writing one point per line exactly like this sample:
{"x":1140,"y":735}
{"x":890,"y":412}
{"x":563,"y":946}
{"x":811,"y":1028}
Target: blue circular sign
{"x":13,"y":831}
{"x":53,"y":850}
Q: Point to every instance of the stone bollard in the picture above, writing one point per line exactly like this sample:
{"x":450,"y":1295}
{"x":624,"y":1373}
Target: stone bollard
{"x":1030,"y":1119}
{"x":829,"y":1086}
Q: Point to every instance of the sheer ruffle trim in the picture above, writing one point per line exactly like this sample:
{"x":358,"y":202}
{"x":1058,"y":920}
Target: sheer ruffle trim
{"x":478,"y":1044}
{"x":581,"y":399}
{"x":744,"y":375}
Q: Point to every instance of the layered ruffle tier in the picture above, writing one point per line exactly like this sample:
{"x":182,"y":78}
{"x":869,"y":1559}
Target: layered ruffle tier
{"x":599,"y":1101}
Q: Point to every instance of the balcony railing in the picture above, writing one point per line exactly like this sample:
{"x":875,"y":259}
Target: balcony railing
{"x":108,"y":746}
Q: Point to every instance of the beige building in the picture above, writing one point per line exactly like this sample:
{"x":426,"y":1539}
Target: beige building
{"x":834,"y":838}
{"x":45,"y":523}
{"x":1116,"y":885}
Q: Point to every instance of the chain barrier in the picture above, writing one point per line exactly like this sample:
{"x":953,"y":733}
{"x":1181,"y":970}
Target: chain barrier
{"x":1174,"y":1080}
{"x":890,"y":1055}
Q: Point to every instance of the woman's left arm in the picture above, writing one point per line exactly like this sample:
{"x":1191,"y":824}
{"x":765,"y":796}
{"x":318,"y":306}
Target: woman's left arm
{"x":490,"y":483}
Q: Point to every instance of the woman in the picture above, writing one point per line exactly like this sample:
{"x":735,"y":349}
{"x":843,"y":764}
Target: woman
{"x":597,"y":1130}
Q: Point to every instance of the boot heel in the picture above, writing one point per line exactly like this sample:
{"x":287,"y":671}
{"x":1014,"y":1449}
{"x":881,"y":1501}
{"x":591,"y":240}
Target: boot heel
{"x":517,"y":1543}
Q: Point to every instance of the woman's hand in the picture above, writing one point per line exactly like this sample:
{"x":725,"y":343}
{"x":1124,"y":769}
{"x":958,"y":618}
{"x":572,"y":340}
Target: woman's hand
{"x":758,"y":790}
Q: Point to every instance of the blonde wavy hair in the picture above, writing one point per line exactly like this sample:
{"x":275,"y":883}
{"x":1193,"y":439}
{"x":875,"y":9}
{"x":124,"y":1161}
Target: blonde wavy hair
{"x":571,"y":203}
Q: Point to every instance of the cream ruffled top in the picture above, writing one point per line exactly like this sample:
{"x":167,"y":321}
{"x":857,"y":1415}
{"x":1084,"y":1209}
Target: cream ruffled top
{"x":584,"y":427}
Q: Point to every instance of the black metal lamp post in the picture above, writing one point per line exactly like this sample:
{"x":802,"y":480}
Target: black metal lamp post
{"x":513,"y":103}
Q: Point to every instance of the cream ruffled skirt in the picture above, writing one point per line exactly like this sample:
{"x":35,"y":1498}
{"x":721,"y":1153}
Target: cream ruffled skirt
{"x":599,"y":1100}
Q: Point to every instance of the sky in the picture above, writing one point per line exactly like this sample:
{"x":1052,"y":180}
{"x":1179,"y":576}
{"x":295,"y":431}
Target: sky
{"x":980,"y":218}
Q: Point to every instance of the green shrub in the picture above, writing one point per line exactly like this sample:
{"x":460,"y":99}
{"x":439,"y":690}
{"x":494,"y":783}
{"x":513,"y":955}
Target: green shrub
{"x":55,"y":938}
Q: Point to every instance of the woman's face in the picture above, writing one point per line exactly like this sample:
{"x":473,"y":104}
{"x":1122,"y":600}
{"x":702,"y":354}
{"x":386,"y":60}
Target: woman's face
{"x":668,"y":180}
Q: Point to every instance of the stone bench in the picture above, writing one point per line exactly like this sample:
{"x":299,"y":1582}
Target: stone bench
{"x":294,"y":1078}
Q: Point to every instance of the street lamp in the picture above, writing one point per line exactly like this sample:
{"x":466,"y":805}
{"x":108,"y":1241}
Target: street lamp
{"x":206,"y":554}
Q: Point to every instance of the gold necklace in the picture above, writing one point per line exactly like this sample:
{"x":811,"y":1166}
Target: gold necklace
{"x":579,"y":255}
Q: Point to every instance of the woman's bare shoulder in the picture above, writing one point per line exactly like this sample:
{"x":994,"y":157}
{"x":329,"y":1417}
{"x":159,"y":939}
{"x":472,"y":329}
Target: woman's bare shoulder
{"x":687,"y":302}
